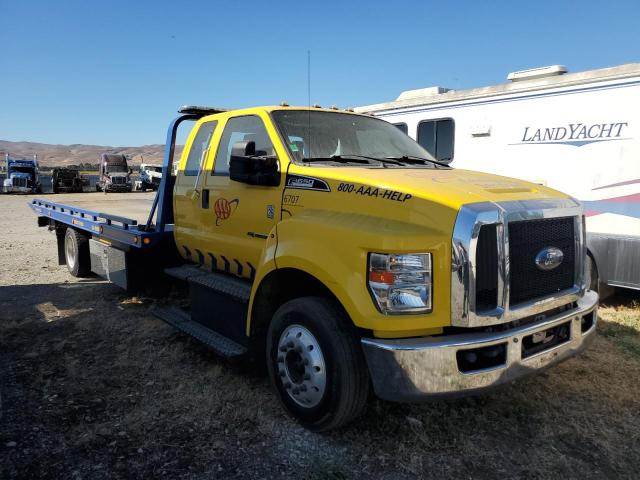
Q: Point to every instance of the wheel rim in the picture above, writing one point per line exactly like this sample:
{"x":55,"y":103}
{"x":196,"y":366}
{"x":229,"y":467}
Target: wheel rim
{"x":70,"y":250}
{"x":301,"y":366}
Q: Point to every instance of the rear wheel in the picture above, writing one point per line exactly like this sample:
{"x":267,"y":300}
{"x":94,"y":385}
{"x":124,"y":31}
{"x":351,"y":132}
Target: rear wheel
{"x":316,"y":363}
{"x":76,"y":253}
{"x":98,"y":189}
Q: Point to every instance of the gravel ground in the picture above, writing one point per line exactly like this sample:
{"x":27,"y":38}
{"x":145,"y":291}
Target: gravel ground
{"x":93,"y":386}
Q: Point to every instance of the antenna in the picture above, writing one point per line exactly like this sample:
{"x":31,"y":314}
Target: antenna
{"x":309,"y":102}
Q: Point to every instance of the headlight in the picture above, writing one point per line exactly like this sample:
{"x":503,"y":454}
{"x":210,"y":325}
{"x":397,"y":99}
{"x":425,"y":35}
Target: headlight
{"x":401,"y":283}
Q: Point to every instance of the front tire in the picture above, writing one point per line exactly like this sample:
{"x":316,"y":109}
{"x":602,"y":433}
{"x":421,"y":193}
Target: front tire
{"x":76,"y":253}
{"x":316,"y":363}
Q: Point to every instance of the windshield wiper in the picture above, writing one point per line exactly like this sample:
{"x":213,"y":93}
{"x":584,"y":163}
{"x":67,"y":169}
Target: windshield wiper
{"x":414,"y":160}
{"x":349,"y":158}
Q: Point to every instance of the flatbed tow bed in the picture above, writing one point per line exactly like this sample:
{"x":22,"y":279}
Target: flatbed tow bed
{"x":116,"y":217}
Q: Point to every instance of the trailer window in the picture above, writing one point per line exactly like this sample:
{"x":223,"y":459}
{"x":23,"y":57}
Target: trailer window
{"x":200,"y":144}
{"x":241,"y":129}
{"x":437,"y":137}
{"x":402,"y":127}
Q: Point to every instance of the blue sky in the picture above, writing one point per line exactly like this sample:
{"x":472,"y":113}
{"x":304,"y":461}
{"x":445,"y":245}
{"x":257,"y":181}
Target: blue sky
{"x":113,"y":72}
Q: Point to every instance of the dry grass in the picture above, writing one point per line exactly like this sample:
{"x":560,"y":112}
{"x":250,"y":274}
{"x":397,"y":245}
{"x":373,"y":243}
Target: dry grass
{"x":113,"y":392}
{"x":621,"y":322}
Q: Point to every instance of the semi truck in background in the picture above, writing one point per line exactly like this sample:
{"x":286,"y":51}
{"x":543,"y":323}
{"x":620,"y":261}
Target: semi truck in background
{"x":575,"y":132}
{"x":66,"y":180}
{"x":150,"y":176}
{"x":114,"y":174}
{"x":21,"y":175}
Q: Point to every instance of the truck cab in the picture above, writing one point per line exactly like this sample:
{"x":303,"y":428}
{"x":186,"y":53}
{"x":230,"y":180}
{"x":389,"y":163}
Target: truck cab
{"x":450,"y":281}
{"x":66,"y":180}
{"x":22,"y":176}
{"x":114,"y":174}
{"x":150,"y":177}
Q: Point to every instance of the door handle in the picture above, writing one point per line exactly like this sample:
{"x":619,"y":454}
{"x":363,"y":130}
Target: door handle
{"x":205,"y":198}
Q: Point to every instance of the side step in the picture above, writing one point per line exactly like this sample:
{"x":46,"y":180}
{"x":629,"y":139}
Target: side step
{"x":181,"y":320}
{"x":225,"y":284}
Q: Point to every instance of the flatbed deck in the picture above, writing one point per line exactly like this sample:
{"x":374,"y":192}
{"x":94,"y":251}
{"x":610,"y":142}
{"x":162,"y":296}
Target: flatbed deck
{"x":134,"y":205}
{"x":112,"y":217}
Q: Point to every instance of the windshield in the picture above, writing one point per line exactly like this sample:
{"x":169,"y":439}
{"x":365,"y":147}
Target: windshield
{"x":155,"y":169}
{"x":116,"y":168}
{"x":321,"y":134}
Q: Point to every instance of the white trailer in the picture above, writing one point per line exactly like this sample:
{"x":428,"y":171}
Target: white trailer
{"x":575,"y":132}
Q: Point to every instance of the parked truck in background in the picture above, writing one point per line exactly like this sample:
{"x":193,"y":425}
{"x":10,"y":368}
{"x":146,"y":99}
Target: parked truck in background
{"x":576,"y":132}
{"x":150,"y":176}
{"x":337,"y":250}
{"x":114,"y":174}
{"x":21,"y":176}
{"x":66,"y":180}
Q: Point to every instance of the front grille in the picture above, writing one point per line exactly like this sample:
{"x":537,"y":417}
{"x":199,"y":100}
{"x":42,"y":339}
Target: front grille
{"x":19,"y":182}
{"x":118,"y":180}
{"x":155,"y":180}
{"x":487,"y":268}
{"x":526,"y":239}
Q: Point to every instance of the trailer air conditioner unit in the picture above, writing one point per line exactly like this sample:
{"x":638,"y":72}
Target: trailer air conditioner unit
{"x":540,"y":72}
{"x":422,"y":92}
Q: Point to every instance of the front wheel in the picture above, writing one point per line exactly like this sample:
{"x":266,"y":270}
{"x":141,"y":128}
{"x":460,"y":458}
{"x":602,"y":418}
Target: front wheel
{"x":316,"y":363}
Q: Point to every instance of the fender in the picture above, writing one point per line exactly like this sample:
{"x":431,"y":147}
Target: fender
{"x":307,"y":242}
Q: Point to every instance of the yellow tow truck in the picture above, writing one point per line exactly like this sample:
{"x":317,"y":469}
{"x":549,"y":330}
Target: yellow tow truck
{"x":336,"y":249}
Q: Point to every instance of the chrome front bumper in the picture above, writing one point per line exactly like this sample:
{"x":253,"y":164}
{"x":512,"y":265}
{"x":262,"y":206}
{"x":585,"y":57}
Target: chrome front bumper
{"x":415,"y":369}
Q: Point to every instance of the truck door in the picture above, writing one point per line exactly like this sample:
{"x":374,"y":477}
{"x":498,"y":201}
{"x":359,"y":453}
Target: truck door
{"x":239,"y":217}
{"x":187,"y":194}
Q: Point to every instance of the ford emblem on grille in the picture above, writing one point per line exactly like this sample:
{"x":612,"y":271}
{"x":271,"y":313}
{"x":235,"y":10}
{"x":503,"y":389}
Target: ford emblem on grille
{"x":549,"y":258}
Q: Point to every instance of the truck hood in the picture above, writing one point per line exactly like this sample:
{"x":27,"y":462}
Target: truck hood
{"x":449,"y":187}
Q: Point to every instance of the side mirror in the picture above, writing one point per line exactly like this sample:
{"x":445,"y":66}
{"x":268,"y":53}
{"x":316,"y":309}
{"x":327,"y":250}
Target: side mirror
{"x":246,"y":166}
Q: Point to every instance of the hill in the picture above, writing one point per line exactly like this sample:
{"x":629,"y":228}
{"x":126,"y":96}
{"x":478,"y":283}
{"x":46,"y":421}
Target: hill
{"x":64,"y":155}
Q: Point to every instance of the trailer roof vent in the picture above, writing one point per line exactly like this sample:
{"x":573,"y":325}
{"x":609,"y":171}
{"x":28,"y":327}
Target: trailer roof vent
{"x":422,"y":92}
{"x":540,"y":72}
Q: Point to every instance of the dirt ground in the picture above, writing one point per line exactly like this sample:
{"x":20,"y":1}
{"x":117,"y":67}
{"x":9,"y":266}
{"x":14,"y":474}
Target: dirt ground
{"x":93,"y":386}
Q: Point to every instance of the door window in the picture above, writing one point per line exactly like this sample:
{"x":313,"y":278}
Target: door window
{"x":437,"y":137}
{"x":198,"y":147}
{"x":241,"y":129}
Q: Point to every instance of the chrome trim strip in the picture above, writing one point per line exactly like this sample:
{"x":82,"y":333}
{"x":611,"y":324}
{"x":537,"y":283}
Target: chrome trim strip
{"x":416,"y":369}
{"x":464,"y":244}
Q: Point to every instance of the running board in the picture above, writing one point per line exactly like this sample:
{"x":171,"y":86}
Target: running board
{"x":225,"y":284}
{"x":181,"y":320}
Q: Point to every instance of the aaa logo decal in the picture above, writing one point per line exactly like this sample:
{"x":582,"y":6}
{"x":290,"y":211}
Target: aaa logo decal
{"x":224,"y":208}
